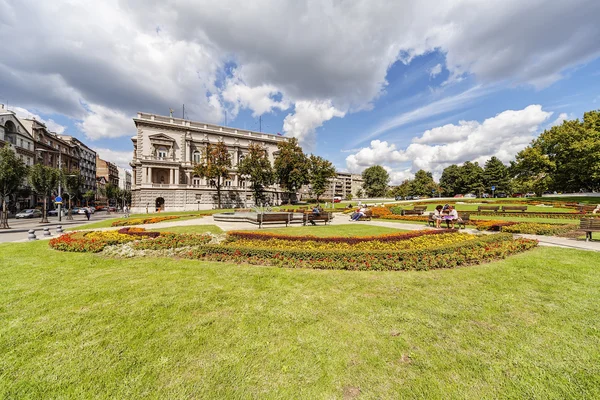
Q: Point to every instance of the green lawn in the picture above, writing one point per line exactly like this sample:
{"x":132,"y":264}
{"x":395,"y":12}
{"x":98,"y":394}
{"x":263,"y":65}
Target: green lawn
{"x":82,"y":326}
{"x":190,"y":229}
{"x":107,"y":223}
{"x":334,"y":230}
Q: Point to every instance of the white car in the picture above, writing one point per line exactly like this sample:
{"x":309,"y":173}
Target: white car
{"x":29,"y":213}
{"x":82,"y":210}
{"x":470,"y":196}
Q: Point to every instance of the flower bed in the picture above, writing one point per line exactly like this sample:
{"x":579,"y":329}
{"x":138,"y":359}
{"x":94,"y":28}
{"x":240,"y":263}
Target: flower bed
{"x":532,"y":214}
{"x":422,"y":218}
{"x":143,"y":221}
{"x":491,"y":225}
{"x":172,"y":241}
{"x":473,"y":251}
{"x":390,"y":237}
{"x":89,"y":242}
{"x":140,"y":232}
{"x":539,"y":229}
{"x":419,"y":242}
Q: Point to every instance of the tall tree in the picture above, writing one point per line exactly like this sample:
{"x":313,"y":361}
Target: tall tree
{"x":471,"y":178}
{"x":532,"y":170}
{"x":89,"y":195}
{"x":291,"y":166}
{"x":495,"y":173}
{"x":257,"y":167}
{"x":44,"y":180}
{"x":215,"y":166}
{"x":12,"y":173}
{"x":320,"y":173}
{"x":375,"y":181}
{"x":450,"y":180}
{"x":73,"y":183}
{"x":423,"y":184}
{"x":402,"y":190}
{"x":111,"y":191}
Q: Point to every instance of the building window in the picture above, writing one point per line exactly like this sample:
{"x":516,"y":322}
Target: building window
{"x":196,"y":157}
{"x":162,"y":153}
{"x":196,"y":180}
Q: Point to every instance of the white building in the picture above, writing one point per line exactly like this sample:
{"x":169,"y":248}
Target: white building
{"x":165,"y":152}
{"x":124,"y":179}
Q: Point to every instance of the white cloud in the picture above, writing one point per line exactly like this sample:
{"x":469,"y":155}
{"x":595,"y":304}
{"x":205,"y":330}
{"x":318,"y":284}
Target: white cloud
{"x":502,"y":136}
{"x":103,"y":122}
{"x":307,"y":117}
{"x":259,"y":99}
{"x":435,"y":71}
{"x":120,"y":158}
{"x":52,"y":125}
{"x":560,"y":119}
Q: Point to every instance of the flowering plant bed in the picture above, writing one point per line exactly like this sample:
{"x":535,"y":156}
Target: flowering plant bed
{"x":539,"y":229}
{"x":423,"y":218}
{"x":141,"y":232}
{"x":143,"y":221}
{"x":89,"y":242}
{"x":391,"y":237}
{"x":172,"y":241}
{"x":469,"y":252}
{"x":532,"y":214}
{"x":491,"y":225}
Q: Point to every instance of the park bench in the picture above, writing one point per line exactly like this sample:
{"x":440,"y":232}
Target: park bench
{"x":488,"y":208}
{"x":417,"y":210}
{"x":324,"y":217}
{"x":514,"y":208}
{"x":589,"y":225}
{"x":463,"y":219}
{"x":586,"y":208}
{"x":367,"y":217}
{"x":273,"y":218}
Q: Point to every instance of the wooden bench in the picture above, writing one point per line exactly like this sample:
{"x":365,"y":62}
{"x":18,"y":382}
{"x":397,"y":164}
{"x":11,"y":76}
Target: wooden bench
{"x":589,"y":225}
{"x":488,"y":208}
{"x":586,"y":208}
{"x":417,"y":210}
{"x":367,"y":217}
{"x":324,"y":217}
{"x":463,"y":219}
{"x":514,"y":208}
{"x":273,"y":218}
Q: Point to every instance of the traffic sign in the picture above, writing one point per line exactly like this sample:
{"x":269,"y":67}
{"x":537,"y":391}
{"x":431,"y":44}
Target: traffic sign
{"x":493,"y":187}
{"x":58,"y":199}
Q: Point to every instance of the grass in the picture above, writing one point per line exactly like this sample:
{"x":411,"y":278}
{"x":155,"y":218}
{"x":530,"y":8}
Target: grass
{"x":107,"y":223}
{"x":82,"y":326}
{"x":190,"y":229}
{"x":334,"y":230}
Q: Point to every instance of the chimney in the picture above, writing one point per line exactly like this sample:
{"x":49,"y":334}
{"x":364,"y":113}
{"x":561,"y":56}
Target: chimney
{"x":1,"y":106}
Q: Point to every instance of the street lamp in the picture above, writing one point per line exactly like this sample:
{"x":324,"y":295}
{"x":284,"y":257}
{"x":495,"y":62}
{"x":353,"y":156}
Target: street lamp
{"x":59,"y":180}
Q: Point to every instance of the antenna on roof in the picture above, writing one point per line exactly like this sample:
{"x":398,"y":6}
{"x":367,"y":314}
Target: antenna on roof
{"x":171,"y":112}
{"x":183,"y":112}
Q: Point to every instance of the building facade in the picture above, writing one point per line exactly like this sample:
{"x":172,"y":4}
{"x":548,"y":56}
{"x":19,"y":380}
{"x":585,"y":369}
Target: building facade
{"x":108,"y":170}
{"x":124,"y":179}
{"x":343,"y":185}
{"x":87,"y":162}
{"x":50,"y":149}
{"x":165,"y":152}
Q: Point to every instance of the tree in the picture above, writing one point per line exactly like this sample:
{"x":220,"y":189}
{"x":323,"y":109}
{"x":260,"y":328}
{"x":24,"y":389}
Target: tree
{"x":215,"y":166}
{"x":495,"y":173}
{"x":89,"y":195}
{"x":73,"y":183}
{"x":44,"y":180}
{"x":12,"y":172}
{"x":450,"y":180}
{"x":532,"y":170}
{"x":471,"y":178}
{"x":375,"y":180}
{"x":257,"y":167}
{"x":111,"y":191}
{"x":402,"y":190}
{"x":320,"y":173}
{"x":359,"y":193}
{"x":291,"y":167}
{"x":423,"y":184}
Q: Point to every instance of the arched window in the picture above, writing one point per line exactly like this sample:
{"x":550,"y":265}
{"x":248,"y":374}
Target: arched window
{"x":195,"y":180}
{"x":196,"y":157}
{"x":162,"y":153}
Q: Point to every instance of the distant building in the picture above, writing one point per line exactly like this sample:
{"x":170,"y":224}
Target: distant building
{"x":87,"y":162}
{"x":165,"y":151}
{"x":124,"y":179}
{"x":107,"y":170}
{"x":343,"y":185}
{"x":50,"y":149}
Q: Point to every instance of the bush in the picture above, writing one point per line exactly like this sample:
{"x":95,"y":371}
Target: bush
{"x":89,"y":242}
{"x":396,"y":210}
{"x":143,"y":221}
{"x":141,"y":232}
{"x":539,"y":229}
{"x":172,"y":241}
{"x":492,"y":225}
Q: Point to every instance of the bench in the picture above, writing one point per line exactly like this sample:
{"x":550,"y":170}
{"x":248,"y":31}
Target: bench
{"x":324,"y":217}
{"x":488,"y":208}
{"x":463,"y":219}
{"x":585,"y":208}
{"x":514,"y":208}
{"x":273,"y":218}
{"x":367,"y":217}
{"x":589,"y":225}
{"x":417,"y":210}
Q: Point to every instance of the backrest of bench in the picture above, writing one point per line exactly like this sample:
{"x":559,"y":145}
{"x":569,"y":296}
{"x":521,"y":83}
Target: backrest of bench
{"x":488,"y":208}
{"x":420,"y":208}
{"x":589,"y":223}
{"x":514,"y":208}
{"x":274,"y":217}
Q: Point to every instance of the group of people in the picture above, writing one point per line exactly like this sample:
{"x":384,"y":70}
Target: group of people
{"x":445,"y":213}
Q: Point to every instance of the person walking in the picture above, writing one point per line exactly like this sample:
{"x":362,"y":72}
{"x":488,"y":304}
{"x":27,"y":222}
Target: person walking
{"x":87,"y":213}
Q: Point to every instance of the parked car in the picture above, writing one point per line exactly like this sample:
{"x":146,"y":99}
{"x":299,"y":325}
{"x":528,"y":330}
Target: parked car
{"x":29,"y":213}
{"x":416,"y":197}
{"x":530,"y":194}
{"x":458,"y":196}
{"x":470,"y":196}
{"x":114,"y":209}
{"x":517,"y":195}
{"x":104,"y":208}
{"x":54,"y":213}
{"x":485,"y":196}
{"x":501,"y":195}
{"x":398,"y":198}
{"x":82,"y":210}
{"x":336,"y":199}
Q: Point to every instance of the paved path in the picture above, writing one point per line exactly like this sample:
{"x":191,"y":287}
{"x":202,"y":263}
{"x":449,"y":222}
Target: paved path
{"x":343,"y":220}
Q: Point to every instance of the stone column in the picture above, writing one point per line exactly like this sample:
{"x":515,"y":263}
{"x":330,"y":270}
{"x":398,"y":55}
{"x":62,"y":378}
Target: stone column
{"x":149,"y":174}
{"x":177,"y":176}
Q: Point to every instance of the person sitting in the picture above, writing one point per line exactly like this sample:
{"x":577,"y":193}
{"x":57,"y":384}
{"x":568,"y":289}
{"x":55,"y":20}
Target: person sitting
{"x":596,"y":210}
{"x":437,"y":215}
{"x":452,"y":217}
{"x":361,"y":212}
{"x":316,"y":211}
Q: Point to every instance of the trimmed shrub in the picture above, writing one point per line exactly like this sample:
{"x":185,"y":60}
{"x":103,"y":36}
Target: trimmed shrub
{"x":539,"y":229}
{"x":172,"y":241}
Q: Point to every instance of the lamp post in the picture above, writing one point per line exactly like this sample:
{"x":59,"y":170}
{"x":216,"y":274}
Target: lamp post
{"x":59,"y":179}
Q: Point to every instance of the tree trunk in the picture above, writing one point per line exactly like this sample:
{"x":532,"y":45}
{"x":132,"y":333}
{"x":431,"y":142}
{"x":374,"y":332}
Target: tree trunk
{"x":4,"y":214}
{"x":219,"y":193}
{"x":44,"y":215}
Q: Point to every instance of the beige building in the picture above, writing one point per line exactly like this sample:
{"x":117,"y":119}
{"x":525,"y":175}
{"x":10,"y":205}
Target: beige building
{"x":342,"y":186}
{"x":108,"y":170}
{"x":165,"y":152}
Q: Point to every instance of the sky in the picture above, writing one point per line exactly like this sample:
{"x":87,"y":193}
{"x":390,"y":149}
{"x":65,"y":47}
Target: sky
{"x":406,"y":84}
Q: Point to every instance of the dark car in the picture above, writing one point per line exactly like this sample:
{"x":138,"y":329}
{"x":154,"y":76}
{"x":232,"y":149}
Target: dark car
{"x":501,"y":195}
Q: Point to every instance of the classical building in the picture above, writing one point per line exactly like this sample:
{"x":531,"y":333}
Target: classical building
{"x":343,"y":185}
{"x":87,"y":162}
{"x":50,"y":149}
{"x":124,"y":179}
{"x":165,"y":152}
{"x":108,"y":170}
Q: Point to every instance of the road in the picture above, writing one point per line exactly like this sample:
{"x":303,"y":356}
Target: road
{"x":19,"y":227}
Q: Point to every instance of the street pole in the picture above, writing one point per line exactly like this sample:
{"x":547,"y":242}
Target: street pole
{"x":60,"y":185}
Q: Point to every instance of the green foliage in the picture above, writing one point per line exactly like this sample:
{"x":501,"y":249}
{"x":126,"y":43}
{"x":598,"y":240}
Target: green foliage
{"x":215,"y":166}
{"x":89,"y":195}
{"x":496,"y":173}
{"x":320,"y":173}
{"x":44,"y":180}
{"x":376,"y":180}
{"x":423,"y":184}
{"x":359,"y":193}
{"x":396,"y":210}
{"x":257,"y":167}
{"x":12,"y":173}
{"x":467,"y":178}
{"x":291,"y":166}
